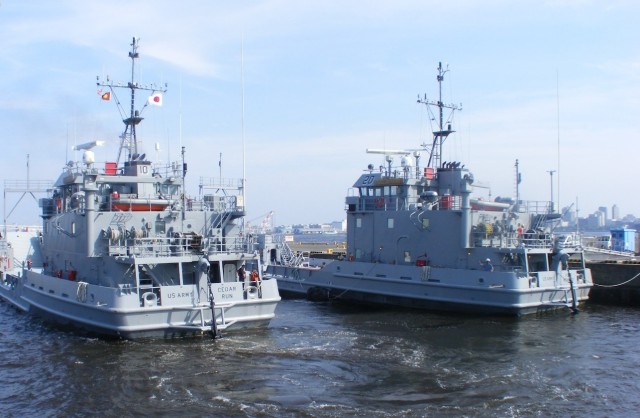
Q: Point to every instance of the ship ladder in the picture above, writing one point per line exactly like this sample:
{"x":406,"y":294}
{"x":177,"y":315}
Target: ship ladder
{"x":571,"y":304}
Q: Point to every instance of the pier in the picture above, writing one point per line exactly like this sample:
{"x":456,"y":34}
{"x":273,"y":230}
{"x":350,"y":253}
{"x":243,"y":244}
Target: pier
{"x":331,"y":250}
{"x":615,"y":283}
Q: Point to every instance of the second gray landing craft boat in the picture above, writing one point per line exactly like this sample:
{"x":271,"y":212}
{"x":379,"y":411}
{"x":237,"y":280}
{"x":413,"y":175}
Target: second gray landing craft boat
{"x":418,"y":237}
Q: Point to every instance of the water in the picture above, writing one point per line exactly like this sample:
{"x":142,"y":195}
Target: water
{"x":329,"y":360}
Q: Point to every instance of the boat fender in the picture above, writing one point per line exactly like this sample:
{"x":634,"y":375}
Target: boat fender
{"x":317,"y":294}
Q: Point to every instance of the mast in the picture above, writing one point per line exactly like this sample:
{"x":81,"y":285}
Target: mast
{"x":439,"y":136}
{"x":518,"y":181}
{"x":128,"y":139}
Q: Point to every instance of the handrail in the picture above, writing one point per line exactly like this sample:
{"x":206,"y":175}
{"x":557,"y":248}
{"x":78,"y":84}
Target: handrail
{"x":176,"y":246}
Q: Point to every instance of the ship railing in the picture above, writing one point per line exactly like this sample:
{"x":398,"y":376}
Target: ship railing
{"x":534,"y":206}
{"x":27,"y":185}
{"x":171,"y":169}
{"x":110,"y":168}
{"x":395,"y":203}
{"x":382,"y":203}
{"x":217,"y":203}
{"x":511,"y":239}
{"x":278,"y":271}
{"x":226,"y":204}
{"x":220,"y":183}
{"x":537,"y":240}
{"x":288,"y":256}
{"x":229,"y":245}
{"x":176,"y":246}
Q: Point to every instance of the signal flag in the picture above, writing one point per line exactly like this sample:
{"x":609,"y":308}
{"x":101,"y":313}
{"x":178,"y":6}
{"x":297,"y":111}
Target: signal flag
{"x":155,"y":99}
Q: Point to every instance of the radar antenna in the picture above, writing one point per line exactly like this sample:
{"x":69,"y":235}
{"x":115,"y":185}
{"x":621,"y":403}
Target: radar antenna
{"x":440,"y":135}
{"x":128,"y":140}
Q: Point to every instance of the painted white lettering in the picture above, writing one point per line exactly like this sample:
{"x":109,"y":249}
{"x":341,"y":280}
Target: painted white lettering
{"x":174,"y":295}
{"x":367,"y":180}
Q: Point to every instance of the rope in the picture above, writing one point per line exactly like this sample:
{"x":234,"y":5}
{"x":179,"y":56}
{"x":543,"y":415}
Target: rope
{"x":619,"y":284}
{"x":340,"y":295}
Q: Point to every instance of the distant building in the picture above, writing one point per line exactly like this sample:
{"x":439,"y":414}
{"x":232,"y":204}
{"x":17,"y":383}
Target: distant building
{"x":339,"y":226}
{"x":595,"y":220}
{"x":615,"y":212}
{"x":604,"y":211}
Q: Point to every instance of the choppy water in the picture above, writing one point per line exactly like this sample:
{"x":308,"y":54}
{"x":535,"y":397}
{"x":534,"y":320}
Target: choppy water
{"x":328,"y":360}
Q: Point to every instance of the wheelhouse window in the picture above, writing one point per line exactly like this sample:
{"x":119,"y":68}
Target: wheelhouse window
{"x":390,"y":190}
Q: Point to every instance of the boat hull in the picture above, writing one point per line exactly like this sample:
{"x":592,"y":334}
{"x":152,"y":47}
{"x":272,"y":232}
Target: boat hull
{"x":119,"y":313}
{"x":437,"y":289}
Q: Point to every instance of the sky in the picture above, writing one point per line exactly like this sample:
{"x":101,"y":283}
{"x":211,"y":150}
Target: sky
{"x":291,"y":94}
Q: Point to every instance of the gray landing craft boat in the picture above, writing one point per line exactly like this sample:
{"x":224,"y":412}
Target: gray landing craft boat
{"x":417,"y":237}
{"x":123,"y":252}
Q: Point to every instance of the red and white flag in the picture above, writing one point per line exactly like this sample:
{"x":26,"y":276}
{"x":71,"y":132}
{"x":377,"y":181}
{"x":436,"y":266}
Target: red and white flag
{"x":155,"y":99}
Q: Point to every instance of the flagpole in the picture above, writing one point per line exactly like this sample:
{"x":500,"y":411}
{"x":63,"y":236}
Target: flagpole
{"x":558,"y":110}
{"x":244,"y":172}
{"x":180,"y":116}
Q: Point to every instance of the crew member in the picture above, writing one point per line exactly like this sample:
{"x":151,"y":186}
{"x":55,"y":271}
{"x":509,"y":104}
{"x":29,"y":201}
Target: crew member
{"x":241,"y":274}
{"x":486,"y":265}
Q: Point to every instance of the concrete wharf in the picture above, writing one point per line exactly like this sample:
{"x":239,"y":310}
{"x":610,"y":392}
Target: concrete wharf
{"x":333,"y":249}
{"x":615,"y":283}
